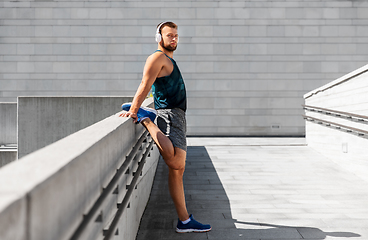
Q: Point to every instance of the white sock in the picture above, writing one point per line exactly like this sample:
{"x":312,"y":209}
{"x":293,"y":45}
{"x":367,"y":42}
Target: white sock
{"x":186,"y":221}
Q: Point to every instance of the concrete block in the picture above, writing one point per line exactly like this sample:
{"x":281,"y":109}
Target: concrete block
{"x":61,"y":49}
{"x":44,"y":67}
{"x":275,"y":31}
{"x":97,"y":67}
{"x":8,"y":13}
{"x":311,"y":49}
{"x":7,"y":155}
{"x":43,"y":49}
{"x":25,"y":13}
{"x":329,"y":67}
{"x":61,"y":13}
{"x":8,"y":31}
{"x":312,"y":66}
{"x":330,"y":31}
{"x":61,"y":67}
{"x":257,"y":31}
{"x":204,"y":31}
{"x":167,"y":12}
{"x":97,"y":13}
{"x":205,"y":13}
{"x":97,"y":31}
{"x":119,"y":31}
{"x":8,"y":67}
{"x":25,"y":67}
{"x":79,"y":31}
{"x":313,"y":13}
{"x":79,"y":49}
{"x":241,"y":49}
{"x":8,"y":85}
{"x":277,"y":13}
{"x":43,"y":13}
{"x":294,"y":13}
{"x":239,"y":31}
{"x":115,"y":67}
{"x":259,"y":13}
{"x":226,"y":13}
{"x":79,"y":67}
{"x":25,"y":31}
{"x":43,"y":31}
{"x":8,"y":49}
{"x":187,"y":13}
{"x":204,"y":49}
{"x":79,"y":13}
{"x":331,"y":13}
{"x":241,"y":13}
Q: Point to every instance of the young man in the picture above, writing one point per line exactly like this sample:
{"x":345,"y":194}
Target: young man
{"x":163,"y":75}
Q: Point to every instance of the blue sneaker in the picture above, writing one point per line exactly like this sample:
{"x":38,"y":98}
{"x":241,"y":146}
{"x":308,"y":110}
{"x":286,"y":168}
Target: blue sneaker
{"x":142,"y":113}
{"x":192,"y":226}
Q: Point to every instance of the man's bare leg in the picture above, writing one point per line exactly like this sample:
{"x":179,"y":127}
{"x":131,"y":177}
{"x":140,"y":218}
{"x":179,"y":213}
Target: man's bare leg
{"x":175,"y":159}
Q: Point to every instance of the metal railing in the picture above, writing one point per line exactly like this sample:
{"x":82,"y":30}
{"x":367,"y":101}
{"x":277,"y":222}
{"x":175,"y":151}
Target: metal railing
{"x":340,"y":114}
{"x":113,"y":188}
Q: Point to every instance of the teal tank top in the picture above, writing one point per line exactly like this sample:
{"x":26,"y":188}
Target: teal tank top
{"x":169,"y":91}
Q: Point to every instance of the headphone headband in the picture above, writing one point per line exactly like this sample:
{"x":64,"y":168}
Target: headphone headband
{"x":158,"y":36}
{"x":158,"y":28}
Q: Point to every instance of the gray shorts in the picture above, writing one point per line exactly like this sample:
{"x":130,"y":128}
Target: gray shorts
{"x":173,"y":124}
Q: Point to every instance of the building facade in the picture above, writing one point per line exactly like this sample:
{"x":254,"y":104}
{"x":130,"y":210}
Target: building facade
{"x":246,"y":64}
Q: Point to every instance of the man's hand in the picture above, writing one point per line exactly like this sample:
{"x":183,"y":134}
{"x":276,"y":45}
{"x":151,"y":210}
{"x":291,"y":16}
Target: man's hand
{"x":129,"y":114}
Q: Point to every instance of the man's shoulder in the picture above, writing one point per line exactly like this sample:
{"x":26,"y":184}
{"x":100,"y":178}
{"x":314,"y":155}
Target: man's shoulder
{"x":157,"y":56}
{"x":156,"y":59}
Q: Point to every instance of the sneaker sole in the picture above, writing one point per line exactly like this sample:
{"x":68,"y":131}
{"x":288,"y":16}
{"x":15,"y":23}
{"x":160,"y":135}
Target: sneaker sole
{"x":144,"y":108}
{"x":192,"y":230}
{"x":151,"y":110}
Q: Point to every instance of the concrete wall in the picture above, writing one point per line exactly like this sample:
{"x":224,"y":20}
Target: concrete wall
{"x":8,"y":123}
{"x":246,"y":64}
{"x":45,"y":194}
{"x":44,"y":120}
{"x":348,"y":94}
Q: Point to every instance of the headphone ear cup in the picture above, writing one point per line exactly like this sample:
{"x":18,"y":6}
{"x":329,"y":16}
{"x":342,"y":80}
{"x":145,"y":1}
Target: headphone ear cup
{"x":158,"y":37}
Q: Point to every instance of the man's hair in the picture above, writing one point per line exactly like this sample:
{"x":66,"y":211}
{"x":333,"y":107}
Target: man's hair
{"x":168,"y":24}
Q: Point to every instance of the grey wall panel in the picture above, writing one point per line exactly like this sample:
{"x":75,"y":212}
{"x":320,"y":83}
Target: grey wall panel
{"x":264,"y":51}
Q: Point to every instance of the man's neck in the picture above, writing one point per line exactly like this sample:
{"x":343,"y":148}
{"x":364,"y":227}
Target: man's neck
{"x":167,"y":52}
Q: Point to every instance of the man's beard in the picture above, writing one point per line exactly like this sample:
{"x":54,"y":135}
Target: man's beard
{"x":168,"y":47}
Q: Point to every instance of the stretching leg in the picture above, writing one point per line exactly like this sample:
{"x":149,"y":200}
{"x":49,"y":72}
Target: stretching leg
{"x":175,"y":159}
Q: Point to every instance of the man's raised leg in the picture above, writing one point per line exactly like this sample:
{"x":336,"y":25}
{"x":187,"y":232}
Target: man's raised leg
{"x":175,"y":160}
{"x":174,"y":157}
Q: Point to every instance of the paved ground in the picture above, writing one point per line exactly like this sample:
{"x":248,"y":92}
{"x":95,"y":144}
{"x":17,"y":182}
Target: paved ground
{"x":266,"y":188}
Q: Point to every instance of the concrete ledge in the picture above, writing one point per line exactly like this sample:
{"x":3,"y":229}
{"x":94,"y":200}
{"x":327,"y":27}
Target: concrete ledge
{"x":44,"y":120}
{"x":45,"y":194}
{"x":338,"y":81}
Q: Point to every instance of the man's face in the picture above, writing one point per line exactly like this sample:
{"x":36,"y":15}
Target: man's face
{"x":169,"y":38}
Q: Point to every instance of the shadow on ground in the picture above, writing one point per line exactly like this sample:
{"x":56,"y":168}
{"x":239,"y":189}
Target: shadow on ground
{"x":208,"y":202}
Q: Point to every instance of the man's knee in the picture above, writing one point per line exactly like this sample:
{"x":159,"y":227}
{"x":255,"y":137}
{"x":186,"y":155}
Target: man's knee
{"x":176,"y":164}
{"x":176,"y":161}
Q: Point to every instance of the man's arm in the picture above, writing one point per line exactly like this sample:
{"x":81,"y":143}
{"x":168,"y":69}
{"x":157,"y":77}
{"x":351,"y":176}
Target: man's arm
{"x":151,"y":70}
